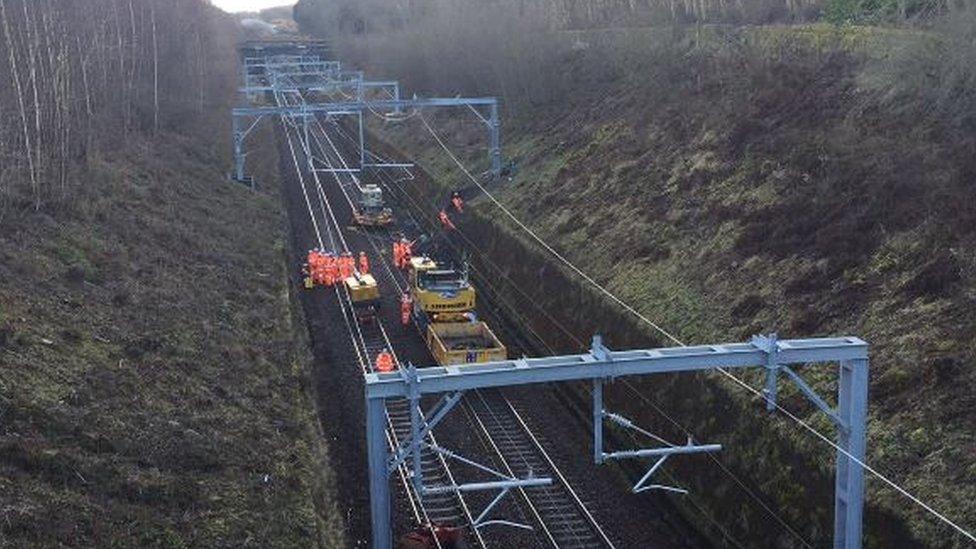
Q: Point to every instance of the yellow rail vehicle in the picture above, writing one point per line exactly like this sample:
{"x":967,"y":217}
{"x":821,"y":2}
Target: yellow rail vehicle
{"x":364,"y":294}
{"x":443,"y":305}
{"x":371,"y":210}
{"x":444,"y":294}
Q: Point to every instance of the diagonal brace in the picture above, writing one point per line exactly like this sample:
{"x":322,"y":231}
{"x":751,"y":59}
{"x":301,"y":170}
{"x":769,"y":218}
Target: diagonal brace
{"x":480,"y":521}
{"x":814,"y":397}
{"x":436,"y":414}
{"x":642,"y":487}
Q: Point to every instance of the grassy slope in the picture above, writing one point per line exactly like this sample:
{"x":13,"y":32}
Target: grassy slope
{"x":154,"y":378}
{"x":732,"y":200}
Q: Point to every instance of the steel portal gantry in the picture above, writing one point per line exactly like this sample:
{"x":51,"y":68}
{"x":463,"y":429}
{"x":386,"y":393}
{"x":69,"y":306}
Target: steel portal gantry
{"x":301,"y":73}
{"x":357,"y":108}
{"x":601,"y":365}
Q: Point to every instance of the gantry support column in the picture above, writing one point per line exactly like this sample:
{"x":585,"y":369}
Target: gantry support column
{"x":362,"y":140}
{"x":416,"y":438}
{"x":494,"y":145}
{"x":852,"y":408}
{"x":379,"y":485}
{"x":238,"y":151}
{"x":598,"y":421}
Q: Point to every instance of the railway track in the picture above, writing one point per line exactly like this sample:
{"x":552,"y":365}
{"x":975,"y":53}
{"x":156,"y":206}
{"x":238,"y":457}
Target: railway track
{"x":562,"y":516}
{"x":557,"y":511}
{"x":369,"y":338}
{"x":444,"y":508}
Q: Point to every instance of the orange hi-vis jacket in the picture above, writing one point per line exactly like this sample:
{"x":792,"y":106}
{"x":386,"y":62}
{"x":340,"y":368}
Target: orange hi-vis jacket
{"x":315,"y":266}
{"x":397,"y":254}
{"x":384,"y":362}
{"x":363,"y":263}
{"x":330,"y":270}
{"x":345,"y":269}
{"x":458,"y":203}
{"x":406,"y":253}
{"x":406,"y":307}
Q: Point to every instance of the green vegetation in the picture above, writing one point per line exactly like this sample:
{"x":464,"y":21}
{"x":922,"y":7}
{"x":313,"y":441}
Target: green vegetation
{"x":155,"y":384}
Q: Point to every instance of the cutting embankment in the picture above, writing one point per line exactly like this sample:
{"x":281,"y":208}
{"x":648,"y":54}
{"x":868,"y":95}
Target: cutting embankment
{"x":155,"y":376}
{"x":727,"y":182}
{"x":154,"y":368}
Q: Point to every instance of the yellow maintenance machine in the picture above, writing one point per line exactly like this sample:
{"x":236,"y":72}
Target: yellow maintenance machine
{"x":443,"y":306}
{"x":364,"y":294}
{"x":371,"y":211}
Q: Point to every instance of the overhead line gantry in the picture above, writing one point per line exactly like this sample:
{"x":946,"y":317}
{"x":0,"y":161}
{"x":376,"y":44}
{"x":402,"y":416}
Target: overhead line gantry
{"x":305,"y":73}
{"x":601,"y":365}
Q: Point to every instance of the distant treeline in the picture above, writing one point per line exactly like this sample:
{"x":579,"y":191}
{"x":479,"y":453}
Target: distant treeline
{"x":521,"y":49}
{"x":80,"y":74}
{"x":364,"y":16}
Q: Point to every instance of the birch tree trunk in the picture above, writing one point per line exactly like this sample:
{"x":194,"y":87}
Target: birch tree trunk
{"x":15,"y":71}
{"x":155,"y":46}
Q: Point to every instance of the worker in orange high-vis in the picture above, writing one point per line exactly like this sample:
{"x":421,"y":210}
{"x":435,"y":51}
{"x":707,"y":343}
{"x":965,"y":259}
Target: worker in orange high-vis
{"x":406,"y":253}
{"x":406,"y":308}
{"x":308,"y":271}
{"x":330,"y":269}
{"x":458,"y":202}
{"x":310,"y":266}
{"x":315,"y":266}
{"x":363,"y":263}
{"x":384,"y":361}
{"x":344,"y":268}
{"x":446,"y":221}
{"x":397,"y":254}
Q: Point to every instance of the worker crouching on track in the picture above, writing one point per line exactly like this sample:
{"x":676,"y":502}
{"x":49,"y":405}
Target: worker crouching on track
{"x":384,"y":361}
{"x":406,"y":309}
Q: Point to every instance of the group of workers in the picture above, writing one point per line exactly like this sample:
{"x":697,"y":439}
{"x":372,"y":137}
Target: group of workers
{"x":327,"y":268}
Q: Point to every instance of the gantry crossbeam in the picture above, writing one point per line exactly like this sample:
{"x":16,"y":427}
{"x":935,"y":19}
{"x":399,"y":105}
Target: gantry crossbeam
{"x":524,"y":371}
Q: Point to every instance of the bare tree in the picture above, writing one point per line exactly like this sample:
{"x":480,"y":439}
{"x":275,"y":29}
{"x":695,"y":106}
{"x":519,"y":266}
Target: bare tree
{"x":15,"y":71}
{"x":155,"y":47}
